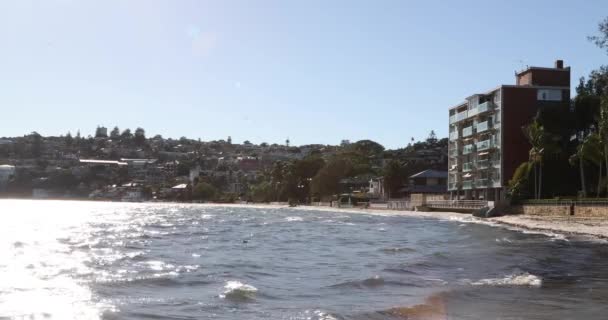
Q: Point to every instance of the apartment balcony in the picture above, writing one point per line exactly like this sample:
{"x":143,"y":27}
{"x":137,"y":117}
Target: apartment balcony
{"x":482,"y":183}
{"x":454,"y":136}
{"x":470,"y":148}
{"x":485,"y":107}
{"x":459,"y":117}
{"x":453,"y":186}
{"x":484,"y":145}
{"x":467,"y":185}
{"x":467,"y":132}
{"x":483,"y":126}
{"x":483,"y":164}
{"x":466,"y":167}
{"x":453,"y":152}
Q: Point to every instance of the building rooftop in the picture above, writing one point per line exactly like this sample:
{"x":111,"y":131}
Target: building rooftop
{"x":430,"y":174}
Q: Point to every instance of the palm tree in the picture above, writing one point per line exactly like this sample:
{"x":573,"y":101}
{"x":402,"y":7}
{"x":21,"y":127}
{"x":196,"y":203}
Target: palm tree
{"x":588,"y":150}
{"x":594,"y":152}
{"x":603,"y":130}
{"x":578,"y":158}
{"x":535,"y":133}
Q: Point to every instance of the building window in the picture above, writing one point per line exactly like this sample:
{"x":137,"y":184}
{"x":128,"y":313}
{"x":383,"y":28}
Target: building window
{"x":549,"y":95}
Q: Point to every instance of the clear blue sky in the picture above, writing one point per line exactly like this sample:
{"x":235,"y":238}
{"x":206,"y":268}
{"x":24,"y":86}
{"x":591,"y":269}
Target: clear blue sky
{"x":314,"y":71}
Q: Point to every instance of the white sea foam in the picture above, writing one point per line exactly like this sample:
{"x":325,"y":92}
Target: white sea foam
{"x":238,"y":291}
{"x":503,"y":240}
{"x":524,"y":279}
{"x":293,"y":219}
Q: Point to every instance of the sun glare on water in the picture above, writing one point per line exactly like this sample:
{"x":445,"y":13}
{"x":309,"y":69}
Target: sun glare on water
{"x":38,"y":269}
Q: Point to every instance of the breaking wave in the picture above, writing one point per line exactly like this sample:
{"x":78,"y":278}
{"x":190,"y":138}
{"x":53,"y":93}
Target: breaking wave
{"x":524,"y":279}
{"x":238,"y":291}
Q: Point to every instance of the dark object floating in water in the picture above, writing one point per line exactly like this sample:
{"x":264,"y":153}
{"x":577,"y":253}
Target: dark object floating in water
{"x":245,"y":241}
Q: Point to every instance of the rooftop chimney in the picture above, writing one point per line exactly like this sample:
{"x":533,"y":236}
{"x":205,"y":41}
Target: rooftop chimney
{"x":559,"y":64}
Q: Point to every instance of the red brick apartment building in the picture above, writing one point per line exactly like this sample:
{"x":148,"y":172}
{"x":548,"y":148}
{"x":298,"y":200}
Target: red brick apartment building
{"x":486,"y":138}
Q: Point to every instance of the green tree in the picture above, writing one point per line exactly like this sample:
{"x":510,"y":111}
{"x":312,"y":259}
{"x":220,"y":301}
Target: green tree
{"x":432,"y":138}
{"x":327,"y":181}
{"x":115,"y":133}
{"x":601,"y":40}
{"x":68,"y":139}
{"x":126,"y":136}
{"x":36,"y":139}
{"x":99,"y":133}
{"x":518,"y":187}
{"x":603,"y":131}
{"x":541,"y":145}
{"x":394,"y":176}
{"x":140,"y":137}
{"x":367,"y":147}
{"x":203,"y":191}
{"x":587,"y":151}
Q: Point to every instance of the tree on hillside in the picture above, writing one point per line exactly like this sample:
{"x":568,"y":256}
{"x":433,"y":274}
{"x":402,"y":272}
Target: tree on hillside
{"x":367,"y":147}
{"x":100,"y":132}
{"x":432,"y":138}
{"x":36,"y":139}
{"x":68,"y":139}
{"x":115,"y":133}
{"x":126,"y":135}
{"x":140,"y":137}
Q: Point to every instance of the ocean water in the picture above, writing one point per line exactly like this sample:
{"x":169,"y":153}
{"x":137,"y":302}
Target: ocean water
{"x":91,"y":260}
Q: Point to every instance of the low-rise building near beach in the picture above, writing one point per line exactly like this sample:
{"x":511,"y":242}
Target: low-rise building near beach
{"x":486,"y":140}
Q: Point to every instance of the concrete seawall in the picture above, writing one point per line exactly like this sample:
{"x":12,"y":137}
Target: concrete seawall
{"x":579,"y":210}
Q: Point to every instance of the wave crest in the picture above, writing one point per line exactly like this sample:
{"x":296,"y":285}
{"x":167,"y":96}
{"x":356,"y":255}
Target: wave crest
{"x":236,"y":290}
{"x":524,"y":279}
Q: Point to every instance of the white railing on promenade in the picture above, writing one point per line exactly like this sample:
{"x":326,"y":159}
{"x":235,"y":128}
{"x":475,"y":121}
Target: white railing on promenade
{"x":457,"y":204}
{"x":399,"y":205}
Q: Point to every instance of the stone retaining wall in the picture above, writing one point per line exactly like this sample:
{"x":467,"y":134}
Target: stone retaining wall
{"x":560,"y":210}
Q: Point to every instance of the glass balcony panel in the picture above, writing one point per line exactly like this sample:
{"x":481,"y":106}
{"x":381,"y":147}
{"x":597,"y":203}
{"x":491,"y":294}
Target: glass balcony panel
{"x":484,"y":107}
{"x":467,"y":184}
{"x":468,"y":131}
{"x":461,"y":116}
{"x":467,"y":167}
{"x":468,"y":149}
{"x":484,"y":145}
{"x":483,"y":164}
{"x":482,"y":126}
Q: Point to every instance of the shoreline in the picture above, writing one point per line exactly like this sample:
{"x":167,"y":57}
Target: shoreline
{"x":549,"y":225}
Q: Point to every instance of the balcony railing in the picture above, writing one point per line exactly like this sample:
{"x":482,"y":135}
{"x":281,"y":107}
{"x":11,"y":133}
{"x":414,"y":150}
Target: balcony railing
{"x":467,"y":185}
{"x":468,"y":149}
{"x":483,"y":164}
{"x":454,"y":152}
{"x":483,"y":126}
{"x":482,"y":183}
{"x":467,"y":131}
{"x":452,"y":119}
{"x":484,"y":145}
{"x":484,"y":107}
{"x":466,"y":167}
{"x":461,"y":116}
{"x":454,"y":135}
